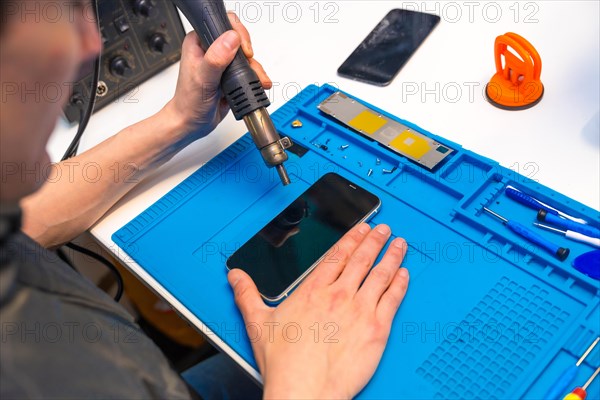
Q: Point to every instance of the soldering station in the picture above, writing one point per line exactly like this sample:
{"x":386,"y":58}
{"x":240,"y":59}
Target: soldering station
{"x":521,"y":311}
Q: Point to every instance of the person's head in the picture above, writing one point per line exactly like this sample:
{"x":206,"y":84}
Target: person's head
{"x":42,"y":45}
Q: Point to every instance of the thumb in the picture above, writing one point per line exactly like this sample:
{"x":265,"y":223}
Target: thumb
{"x":246,"y":294}
{"x":218,"y":56}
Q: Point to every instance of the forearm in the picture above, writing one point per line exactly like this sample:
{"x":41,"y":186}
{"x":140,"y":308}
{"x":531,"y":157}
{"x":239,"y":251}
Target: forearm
{"x":66,"y":205}
{"x":80,"y":190}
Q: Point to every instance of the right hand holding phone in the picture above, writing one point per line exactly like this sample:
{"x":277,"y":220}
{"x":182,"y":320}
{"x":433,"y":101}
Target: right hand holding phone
{"x":327,"y":338}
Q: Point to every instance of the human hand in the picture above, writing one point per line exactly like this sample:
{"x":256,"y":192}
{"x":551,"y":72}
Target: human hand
{"x":198,"y":103}
{"x":326,"y":339}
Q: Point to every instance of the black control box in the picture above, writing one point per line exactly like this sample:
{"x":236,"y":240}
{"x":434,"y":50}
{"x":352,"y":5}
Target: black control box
{"x":141,"y":38}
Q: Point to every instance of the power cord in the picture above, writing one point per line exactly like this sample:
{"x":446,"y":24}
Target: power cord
{"x":72,"y":151}
{"x":104,"y":261}
{"x":84,"y":118}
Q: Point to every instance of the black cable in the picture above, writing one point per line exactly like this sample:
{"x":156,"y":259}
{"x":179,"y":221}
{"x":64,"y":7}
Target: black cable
{"x":85,"y":117}
{"x":63,"y":256}
{"x":104,"y":261}
{"x":72,"y":151}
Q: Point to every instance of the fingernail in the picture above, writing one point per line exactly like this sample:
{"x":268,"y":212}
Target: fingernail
{"x":400,"y":243}
{"x":233,"y":278}
{"x":383,"y":229}
{"x":269,"y":81}
{"x":231,"y":40}
{"x":364,"y":229}
{"x":403,"y":272}
{"x":250,"y":49}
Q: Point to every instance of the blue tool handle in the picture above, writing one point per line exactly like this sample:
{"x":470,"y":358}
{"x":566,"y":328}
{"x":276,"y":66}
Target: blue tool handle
{"x":569,"y":225}
{"x":527,"y":200}
{"x":562,"y":385}
{"x":559,"y":252}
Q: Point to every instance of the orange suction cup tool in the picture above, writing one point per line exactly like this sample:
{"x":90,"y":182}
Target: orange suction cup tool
{"x":516,"y":84}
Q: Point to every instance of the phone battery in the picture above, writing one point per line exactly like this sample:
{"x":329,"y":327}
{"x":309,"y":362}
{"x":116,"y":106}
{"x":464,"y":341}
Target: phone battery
{"x":393,"y":135}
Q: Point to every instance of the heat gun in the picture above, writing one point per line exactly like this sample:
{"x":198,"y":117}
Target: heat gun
{"x":240,"y":84}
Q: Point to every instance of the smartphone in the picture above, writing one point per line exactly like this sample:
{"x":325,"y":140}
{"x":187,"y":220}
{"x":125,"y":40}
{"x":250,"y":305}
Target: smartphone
{"x":285,"y":250}
{"x":379,"y":58}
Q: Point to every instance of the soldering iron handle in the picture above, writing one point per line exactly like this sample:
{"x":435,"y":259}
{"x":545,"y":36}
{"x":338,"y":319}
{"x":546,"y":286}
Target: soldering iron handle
{"x":586,"y":230}
{"x":559,"y":252}
{"x":240,"y":84}
{"x":527,"y":200}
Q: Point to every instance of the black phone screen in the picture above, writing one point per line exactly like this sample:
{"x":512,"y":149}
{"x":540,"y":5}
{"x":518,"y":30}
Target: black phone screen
{"x":388,"y":47}
{"x":285,"y":249}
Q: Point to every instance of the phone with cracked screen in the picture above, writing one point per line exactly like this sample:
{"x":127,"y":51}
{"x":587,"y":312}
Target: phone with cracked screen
{"x":291,"y":245}
{"x":379,"y":58}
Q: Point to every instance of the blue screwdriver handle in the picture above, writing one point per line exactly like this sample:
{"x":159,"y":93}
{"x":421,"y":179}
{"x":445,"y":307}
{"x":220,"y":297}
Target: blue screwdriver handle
{"x":569,"y":225}
{"x":562,"y":385}
{"x":527,"y":200}
{"x":559,"y":252}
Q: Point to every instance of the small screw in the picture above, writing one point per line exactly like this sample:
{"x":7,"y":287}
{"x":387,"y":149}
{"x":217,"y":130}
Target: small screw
{"x":327,"y":141}
{"x":344,"y":147}
{"x":360,"y":164}
{"x":378,"y":162}
{"x":370,"y":172}
{"x":345,"y":157}
{"x":387,"y":171}
{"x":102,"y":89}
{"x":297,"y":124}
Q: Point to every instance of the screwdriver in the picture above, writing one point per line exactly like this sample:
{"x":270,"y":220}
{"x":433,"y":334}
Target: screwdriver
{"x":559,"y":252}
{"x":534,"y":203}
{"x":579,"y":393}
{"x":578,"y":237}
{"x":568,"y":376}
{"x":544,"y":216}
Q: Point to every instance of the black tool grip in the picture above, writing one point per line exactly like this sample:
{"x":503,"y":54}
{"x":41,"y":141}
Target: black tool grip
{"x":239,"y":83}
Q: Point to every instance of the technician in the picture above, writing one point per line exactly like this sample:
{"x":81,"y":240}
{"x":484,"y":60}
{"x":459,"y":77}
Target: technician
{"x":64,"y":338}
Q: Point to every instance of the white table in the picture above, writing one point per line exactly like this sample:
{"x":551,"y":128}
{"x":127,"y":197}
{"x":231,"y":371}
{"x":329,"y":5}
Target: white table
{"x":441,"y":89}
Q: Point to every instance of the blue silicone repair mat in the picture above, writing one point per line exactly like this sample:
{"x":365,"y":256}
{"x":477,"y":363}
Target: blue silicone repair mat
{"x":487,"y":315}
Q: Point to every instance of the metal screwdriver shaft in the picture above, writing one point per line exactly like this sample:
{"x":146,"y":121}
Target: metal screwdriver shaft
{"x":559,"y":252}
{"x":588,"y":351}
{"x":567,"y":377}
{"x":580,"y":393}
{"x":594,"y":375}
{"x":579,"y":237}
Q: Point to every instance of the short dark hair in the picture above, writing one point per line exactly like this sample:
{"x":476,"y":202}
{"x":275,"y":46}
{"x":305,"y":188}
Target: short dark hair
{"x":3,"y":10}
